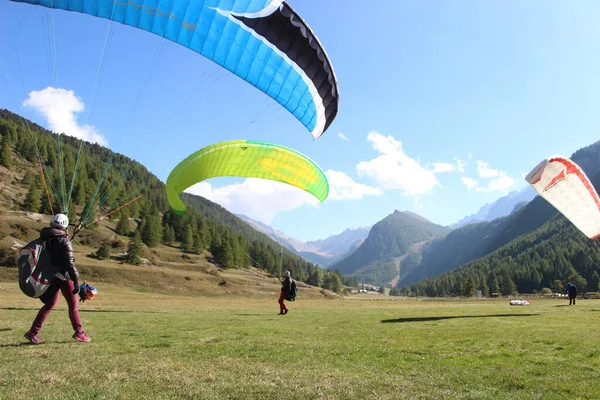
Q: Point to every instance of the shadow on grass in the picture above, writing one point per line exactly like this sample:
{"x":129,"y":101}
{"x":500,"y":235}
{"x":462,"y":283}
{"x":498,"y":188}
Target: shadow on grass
{"x":31,"y":344}
{"x":5,"y":329}
{"x":80,"y":310}
{"x":123,"y":311}
{"x":424,"y":319}
{"x":16,"y":345}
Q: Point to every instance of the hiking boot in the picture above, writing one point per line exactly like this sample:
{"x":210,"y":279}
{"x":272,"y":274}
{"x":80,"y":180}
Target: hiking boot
{"x":281,"y":313}
{"x":82,"y":337}
{"x":286,"y":311}
{"x":34,"y":339}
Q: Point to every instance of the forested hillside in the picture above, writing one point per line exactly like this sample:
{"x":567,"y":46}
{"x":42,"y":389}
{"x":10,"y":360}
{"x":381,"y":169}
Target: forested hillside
{"x":104,"y":180}
{"x":544,"y":260}
{"x":470,"y":242}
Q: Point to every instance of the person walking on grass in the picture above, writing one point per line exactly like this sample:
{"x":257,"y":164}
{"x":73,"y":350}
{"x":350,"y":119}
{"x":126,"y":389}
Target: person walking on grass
{"x":286,"y":284}
{"x":288,"y":292}
{"x":66,"y":280}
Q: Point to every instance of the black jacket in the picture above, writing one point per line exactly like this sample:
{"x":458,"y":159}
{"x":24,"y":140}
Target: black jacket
{"x":286,"y":286}
{"x":61,"y":251}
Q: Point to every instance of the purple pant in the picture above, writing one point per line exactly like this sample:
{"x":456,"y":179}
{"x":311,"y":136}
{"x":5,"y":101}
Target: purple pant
{"x":50,"y":301}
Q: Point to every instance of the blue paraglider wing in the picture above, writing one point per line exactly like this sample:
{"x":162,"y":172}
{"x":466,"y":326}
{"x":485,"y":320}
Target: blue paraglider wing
{"x":264,"y":42}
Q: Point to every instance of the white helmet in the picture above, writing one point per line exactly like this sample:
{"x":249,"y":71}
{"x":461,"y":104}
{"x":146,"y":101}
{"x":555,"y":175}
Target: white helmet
{"x":286,"y":274}
{"x":60,"y":221}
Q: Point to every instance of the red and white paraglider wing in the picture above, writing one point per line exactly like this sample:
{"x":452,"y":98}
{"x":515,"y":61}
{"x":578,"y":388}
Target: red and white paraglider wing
{"x":564,"y":185}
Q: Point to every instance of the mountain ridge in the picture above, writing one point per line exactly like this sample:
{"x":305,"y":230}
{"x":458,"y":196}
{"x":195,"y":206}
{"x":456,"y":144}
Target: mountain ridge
{"x":321,"y":251}
{"x":499,"y":208}
{"x":375,"y":260}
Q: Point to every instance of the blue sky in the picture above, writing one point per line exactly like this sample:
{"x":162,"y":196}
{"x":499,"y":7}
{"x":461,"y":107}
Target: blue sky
{"x":444,"y":106}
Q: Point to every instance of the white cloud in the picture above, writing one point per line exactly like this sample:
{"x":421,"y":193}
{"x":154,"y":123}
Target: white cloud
{"x":485,"y":171}
{"x":59,"y":107}
{"x":469,"y":182}
{"x":342,"y":187}
{"x":342,"y":136}
{"x":503,"y":184}
{"x":440,"y":167}
{"x":470,"y":155}
{"x":260,"y":199}
{"x":393,"y":169}
{"x":460,"y":165}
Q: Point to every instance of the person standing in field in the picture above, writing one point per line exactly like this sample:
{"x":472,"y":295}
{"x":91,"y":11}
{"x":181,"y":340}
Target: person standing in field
{"x":286,"y":289}
{"x":65,"y":281}
{"x":572,"y":292}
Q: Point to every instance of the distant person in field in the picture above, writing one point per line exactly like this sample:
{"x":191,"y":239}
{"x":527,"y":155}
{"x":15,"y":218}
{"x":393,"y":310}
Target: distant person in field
{"x":65,"y":281}
{"x":572,"y":292}
{"x":286,"y":289}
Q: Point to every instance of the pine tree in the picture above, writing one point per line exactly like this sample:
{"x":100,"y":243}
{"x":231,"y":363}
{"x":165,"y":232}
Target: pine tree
{"x":13,"y":134}
{"x":5,"y":153}
{"x":508,"y":286}
{"x":168,"y":235}
{"x":68,"y":166}
{"x":151,"y":231}
{"x":483,"y":287}
{"x":226,"y":259}
{"x":198,"y":246}
{"x":238,"y":255}
{"x":187,"y":240}
{"x":332,"y":281}
{"x":28,"y":178}
{"x":32,"y":199}
{"x":80,"y":192}
{"x":469,"y":288}
{"x":205,"y":234}
{"x":45,"y":205}
{"x":593,"y":283}
{"x":52,"y":158}
{"x":316,"y":277}
{"x":103,"y":252}
{"x":123,"y":225}
{"x":134,"y":249}
{"x":351,"y":281}
{"x":28,"y":150}
{"x":495,"y":285}
{"x":4,"y":128}
{"x":43,"y":152}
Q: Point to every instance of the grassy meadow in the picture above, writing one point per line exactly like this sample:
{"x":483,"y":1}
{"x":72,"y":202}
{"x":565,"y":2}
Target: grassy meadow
{"x":151,"y":345}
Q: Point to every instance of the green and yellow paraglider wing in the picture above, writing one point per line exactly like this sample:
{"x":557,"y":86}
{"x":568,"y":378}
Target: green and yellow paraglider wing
{"x":250,"y":159}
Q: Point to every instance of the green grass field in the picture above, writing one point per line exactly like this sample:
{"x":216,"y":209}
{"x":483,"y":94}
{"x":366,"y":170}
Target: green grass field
{"x":147,"y":345}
